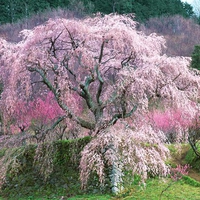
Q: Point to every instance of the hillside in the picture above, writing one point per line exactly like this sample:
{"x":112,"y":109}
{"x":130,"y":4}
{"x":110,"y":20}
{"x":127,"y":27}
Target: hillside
{"x":15,"y":10}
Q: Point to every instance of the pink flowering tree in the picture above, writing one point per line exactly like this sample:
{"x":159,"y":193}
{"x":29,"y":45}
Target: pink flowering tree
{"x":106,"y":77}
{"x":178,"y":125}
{"x":44,"y":111}
{"x":171,"y":121}
{"x":39,"y":115}
{"x":80,"y":60}
{"x":21,"y":118}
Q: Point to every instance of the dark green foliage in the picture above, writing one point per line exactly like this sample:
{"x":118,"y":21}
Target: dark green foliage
{"x":155,"y":8}
{"x":188,"y":10}
{"x":191,"y":181}
{"x":58,"y":3}
{"x":68,"y":155}
{"x":1,"y":87}
{"x":23,"y":176}
{"x":3,"y":12}
{"x":196,"y":58}
{"x":144,"y":9}
{"x":2,"y":152}
{"x":192,"y":160}
{"x":13,"y":10}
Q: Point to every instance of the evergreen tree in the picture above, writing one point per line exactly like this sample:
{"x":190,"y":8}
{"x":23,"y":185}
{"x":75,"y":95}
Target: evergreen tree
{"x":188,"y":9}
{"x":144,"y":9}
{"x":196,"y":58}
{"x":12,"y":10}
{"x":3,"y":12}
{"x":58,"y":3}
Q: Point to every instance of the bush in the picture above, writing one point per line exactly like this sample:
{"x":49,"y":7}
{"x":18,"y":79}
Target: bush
{"x":192,"y":160}
{"x":43,"y":170}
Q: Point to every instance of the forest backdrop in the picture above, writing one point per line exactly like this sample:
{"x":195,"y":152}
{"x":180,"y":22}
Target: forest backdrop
{"x":13,"y":10}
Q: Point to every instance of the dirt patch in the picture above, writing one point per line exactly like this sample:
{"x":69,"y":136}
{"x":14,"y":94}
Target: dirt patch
{"x":194,"y":174}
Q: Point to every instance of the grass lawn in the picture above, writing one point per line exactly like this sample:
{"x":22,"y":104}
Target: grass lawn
{"x":177,"y":191}
{"x":186,"y":189}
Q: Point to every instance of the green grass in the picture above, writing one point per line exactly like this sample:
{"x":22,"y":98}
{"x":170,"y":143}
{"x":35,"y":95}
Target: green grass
{"x":154,"y":187}
{"x":91,"y":197}
{"x":185,"y":189}
{"x":181,"y":190}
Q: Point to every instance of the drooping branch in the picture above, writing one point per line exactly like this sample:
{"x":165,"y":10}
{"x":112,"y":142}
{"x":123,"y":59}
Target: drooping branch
{"x":160,"y":86}
{"x":123,"y":102}
{"x":99,"y":77}
{"x":102,"y":49}
{"x":73,"y":43}
{"x":69,"y":70}
{"x":97,"y":70}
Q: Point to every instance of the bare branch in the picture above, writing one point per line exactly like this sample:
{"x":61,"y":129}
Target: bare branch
{"x":132,"y":56}
{"x":56,"y":93}
{"x":73,"y":43}
{"x":53,"y":48}
{"x":121,"y":115}
{"x":86,"y":94}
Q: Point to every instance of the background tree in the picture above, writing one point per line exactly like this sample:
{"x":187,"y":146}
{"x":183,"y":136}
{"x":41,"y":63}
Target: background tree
{"x":38,"y":116}
{"x":4,"y":14}
{"x":81,"y":8}
{"x":181,"y":34}
{"x":12,"y":10}
{"x":196,"y":58}
{"x":145,"y":9}
{"x":58,"y":3}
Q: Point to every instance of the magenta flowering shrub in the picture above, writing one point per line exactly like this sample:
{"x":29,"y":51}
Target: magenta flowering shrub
{"x":173,"y":122}
{"x":169,"y":119}
{"x":178,"y":172}
{"x":38,"y":113}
